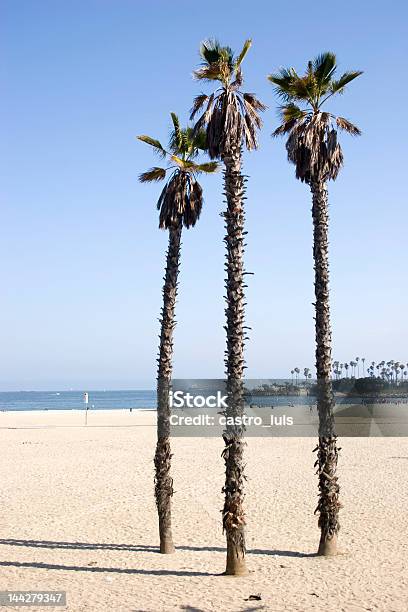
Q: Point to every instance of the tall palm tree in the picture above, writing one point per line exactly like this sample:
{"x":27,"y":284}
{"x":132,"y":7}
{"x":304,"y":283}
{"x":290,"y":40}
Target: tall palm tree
{"x":231,"y":119}
{"x":297,"y":372}
{"x":180,"y":204}
{"x":313,"y":148}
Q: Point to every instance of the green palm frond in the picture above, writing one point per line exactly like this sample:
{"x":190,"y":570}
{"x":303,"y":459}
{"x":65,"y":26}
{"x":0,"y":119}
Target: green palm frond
{"x":200,"y":140}
{"x":316,"y":86}
{"x":176,"y":137}
{"x":346,"y":78}
{"x":180,"y":162}
{"x":210,"y":51}
{"x":218,"y":62}
{"x":291,"y":111}
{"x":153,"y":143}
{"x":305,"y":88}
{"x":241,"y":56}
{"x":154,"y":174}
{"x":284,"y":82}
{"x":207,"y":168}
{"x":324,"y":66}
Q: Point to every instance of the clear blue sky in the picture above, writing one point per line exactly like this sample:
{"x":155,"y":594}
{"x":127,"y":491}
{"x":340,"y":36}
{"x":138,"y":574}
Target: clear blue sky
{"x":81,"y":259}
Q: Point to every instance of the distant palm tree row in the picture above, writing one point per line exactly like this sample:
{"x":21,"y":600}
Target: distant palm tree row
{"x":391,"y":371}
{"x":228,"y":121}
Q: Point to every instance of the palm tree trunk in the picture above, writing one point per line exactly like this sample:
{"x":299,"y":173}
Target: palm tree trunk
{"x":233,"y":513}
{"x":327,"y":452}
{"x":162,"y":460}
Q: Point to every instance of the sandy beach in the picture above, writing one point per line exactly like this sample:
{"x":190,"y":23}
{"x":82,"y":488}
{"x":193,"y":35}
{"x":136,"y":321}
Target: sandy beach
{"x":77,"y":514}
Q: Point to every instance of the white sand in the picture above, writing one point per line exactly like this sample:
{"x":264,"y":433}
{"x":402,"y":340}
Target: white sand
{"x":77,"y":513}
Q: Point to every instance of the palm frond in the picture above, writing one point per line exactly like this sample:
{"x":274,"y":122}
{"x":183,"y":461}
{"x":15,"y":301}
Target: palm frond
{"x":208,"y":73}
{"x":176,"y":137}
{"x":200,"y":139}
{"x":284,"y":82}
{"x":210,"y":51}
{"x":284,"y":128}
{"x":198,"y":103}
{"x":194,"y":205}
{"x":153,"y":143}
{"x":236,"y":84}
{"x":347,"y":126}
{"x":241,"y":56}
{"x":251,"y":107}
{"x":324,"y":66}
{"x":254,"y":102}
{"x":205,"y":117}
{"x":339,"y":85}
{"x":154,"y":174}
{"x":304,"y":88}
{"x":207,"y":168}
{"x":180,"y":162}
{"x":291,"y":111}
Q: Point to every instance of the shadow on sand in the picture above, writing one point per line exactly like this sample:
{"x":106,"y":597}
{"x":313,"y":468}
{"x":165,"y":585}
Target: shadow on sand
{"x":141,"y":547}
{"x":128,"y":548}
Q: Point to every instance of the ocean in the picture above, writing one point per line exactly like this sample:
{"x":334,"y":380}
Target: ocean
{"x":74,"y":400}
{"x":105,"y":400}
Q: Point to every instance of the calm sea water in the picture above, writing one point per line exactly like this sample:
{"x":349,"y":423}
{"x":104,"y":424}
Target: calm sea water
{"x":108,"y":400}
{"x":104,"y":400}
{"x":74,"y":400}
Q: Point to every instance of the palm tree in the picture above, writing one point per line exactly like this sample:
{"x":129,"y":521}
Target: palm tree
{"x":180,"y":204}
{"x":297,"y":372}
{"x":313,"y":148}
{"x":358,"y":366}
{"x":231,"y":119}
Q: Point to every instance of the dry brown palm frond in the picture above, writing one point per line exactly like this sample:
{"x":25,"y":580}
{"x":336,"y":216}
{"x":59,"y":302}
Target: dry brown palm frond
{"x":195,"y":203}
{"x":154,"y":174}
{"x":198,"y":103}
{"x":284,"y":128}
{"x":345,"y":124}
{"x":231,"y":119}
{"x":212,"y":72}
{"x":239,"y":79}
{"x":181,"y":200}
{"x":251,"y":106}
{"x":313,"y":147}
{"x":253,"y":101}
